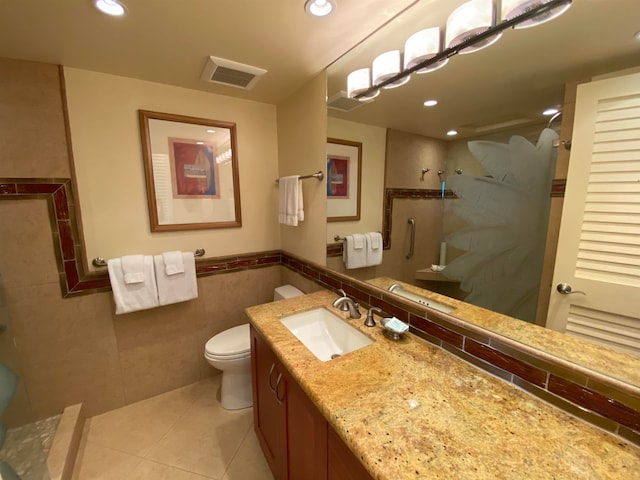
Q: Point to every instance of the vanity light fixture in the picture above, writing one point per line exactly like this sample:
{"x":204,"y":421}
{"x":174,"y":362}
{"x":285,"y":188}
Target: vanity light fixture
{"x":469,"y":20}
{"x":430,"y":103}
{"x":110,"y":7}
{"x":319,"y":8}
{"x":422,"y":46}
{"x":359,"y":82}
{"x":470,"y":27}
{"x":386,"y":66}
{"x":513,"y":8}
{"x":550,"y":111}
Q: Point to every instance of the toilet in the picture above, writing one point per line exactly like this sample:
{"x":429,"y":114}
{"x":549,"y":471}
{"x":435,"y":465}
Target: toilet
{"x":230,"y":352}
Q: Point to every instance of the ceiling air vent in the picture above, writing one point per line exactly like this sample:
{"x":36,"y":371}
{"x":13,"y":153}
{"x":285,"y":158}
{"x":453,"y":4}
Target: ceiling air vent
{"x":341,"y":101}
{"x":234,"y":74}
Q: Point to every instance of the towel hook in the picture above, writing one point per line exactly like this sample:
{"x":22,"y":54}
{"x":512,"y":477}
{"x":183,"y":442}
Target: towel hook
{"x":424,"y":170}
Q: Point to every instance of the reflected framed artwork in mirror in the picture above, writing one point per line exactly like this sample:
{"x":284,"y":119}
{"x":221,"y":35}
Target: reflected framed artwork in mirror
{"x":344,"y":166}
{"x":191,"y":171}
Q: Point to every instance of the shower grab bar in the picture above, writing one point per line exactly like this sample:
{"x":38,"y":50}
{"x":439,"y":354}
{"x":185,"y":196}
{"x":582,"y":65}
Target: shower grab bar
{"x":412,"y":222}
{"x":101,"y":262}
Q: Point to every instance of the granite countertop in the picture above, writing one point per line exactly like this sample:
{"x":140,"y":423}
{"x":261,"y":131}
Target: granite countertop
{"x":410,"y":410}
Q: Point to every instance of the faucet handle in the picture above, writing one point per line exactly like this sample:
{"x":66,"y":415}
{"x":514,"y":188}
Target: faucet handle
{"x":370,"y":322}
{"x":343,"y":306}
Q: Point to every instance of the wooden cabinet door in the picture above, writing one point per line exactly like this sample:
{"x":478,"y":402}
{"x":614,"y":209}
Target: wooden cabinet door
{"x":269,"y":405}
{"x":306,"y":436}
{"x":342,"y":463}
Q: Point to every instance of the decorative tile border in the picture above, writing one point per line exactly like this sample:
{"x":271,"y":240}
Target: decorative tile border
{"x":74,"y":280}
{"x":335,"y":249}
{"x":566,"y":387}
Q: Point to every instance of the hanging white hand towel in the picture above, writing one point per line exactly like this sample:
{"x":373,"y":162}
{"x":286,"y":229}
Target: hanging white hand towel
{"x":130,"y":297}
{"x":178,"y":287}
{"x":290,"y":210}
{"x":133,"y":268}
{"x":354,"y":257}
{"x":374,"y":248}
{"x":173,"y":262}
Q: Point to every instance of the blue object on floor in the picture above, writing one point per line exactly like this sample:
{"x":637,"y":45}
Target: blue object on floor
{"x":8,"y":386}
{"x":7,"y":473}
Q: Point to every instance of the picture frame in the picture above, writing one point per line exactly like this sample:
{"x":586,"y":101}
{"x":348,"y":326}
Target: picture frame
{"x":191,"y":172}
{"x":343,"y":172}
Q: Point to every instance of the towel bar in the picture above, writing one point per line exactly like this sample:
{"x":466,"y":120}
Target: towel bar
{"x":318,"y":175}
{"x":101,"y":262}
{"x":338,"y":238}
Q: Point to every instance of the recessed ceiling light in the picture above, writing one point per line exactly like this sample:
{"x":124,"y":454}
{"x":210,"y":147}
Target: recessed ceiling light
{"x":451,"y":133}
{"x":211,"y":130}
{"x":550,"y":111}
{"x":110,"y":7}
{"x":319,"y":8}
{"x":430,"y":103}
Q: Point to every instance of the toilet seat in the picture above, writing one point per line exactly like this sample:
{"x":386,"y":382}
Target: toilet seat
{"x":231,"y":344}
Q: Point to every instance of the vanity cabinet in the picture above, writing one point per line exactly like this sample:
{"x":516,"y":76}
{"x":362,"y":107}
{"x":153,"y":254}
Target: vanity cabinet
{"x":297,"y":441}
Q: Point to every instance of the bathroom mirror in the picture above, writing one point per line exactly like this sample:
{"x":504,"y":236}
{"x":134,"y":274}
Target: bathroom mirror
{"x":492,"y":94}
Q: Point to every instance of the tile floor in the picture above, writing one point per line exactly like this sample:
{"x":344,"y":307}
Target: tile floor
{"x":180,"y":435}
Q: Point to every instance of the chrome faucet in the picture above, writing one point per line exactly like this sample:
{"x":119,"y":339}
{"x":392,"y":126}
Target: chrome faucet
{"x":352,"y":306}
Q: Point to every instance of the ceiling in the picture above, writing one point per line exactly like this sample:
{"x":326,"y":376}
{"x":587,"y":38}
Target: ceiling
{"x":511,"y":81}
{"x":169,"y":41}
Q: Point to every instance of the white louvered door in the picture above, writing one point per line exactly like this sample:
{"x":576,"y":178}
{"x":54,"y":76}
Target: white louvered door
{"x":599,"y":244}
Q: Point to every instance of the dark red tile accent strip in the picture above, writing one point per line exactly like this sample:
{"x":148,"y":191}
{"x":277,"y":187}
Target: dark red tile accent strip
{"x":596,"y":402}
{"x":437,"y":331}
{"x":558,"y":187}
{"x":392,"y":193}
{"x":521,"y":369}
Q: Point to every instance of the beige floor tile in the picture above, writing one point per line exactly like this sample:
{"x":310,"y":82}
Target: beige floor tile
{"x":136,"y":428}
{"x":96,"y":462}
{"x":205,"y":440}
{"x":249,"y":463}
{"x":147,"y":470}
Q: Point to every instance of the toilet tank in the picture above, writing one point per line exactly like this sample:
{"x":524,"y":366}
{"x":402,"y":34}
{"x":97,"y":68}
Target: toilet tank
{"x":286,"y":291}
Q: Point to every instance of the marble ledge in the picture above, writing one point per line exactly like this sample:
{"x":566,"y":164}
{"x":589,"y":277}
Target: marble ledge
{"x":410,"y":409}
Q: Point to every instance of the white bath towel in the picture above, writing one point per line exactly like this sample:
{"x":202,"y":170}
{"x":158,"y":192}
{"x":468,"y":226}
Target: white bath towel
{"x":173,"y":262}
{"x":374,"y":248}
{"x":178,"y":287}
{"x":133,"y":268}
{"x":358,"y":241}
{"x":291,"y":205}
{"x":130,"y":297}
{"x":353,"y":257}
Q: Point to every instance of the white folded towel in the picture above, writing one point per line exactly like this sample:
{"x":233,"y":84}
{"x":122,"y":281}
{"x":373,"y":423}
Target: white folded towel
{"x":374,"y":248}
{"x":173,"y":262}
{"x":352,"y":257}
{"x":376,"y":240}
{"x":178,"y":287}
{"x":133,"y":268}
{"x":130,"y":297}
{"x":291,"y":205}
{"x":358,"y":241}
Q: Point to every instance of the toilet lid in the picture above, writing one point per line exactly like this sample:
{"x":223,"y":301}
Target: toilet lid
{"x":234,"y":341}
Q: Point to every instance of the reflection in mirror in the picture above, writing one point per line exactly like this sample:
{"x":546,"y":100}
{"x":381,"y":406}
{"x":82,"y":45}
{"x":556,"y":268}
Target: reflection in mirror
{"x":496,"y":95}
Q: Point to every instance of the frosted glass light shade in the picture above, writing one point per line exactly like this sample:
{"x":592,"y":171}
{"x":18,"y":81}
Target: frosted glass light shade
{"x":469,"y":20}
{"x":110,"y":7}
{"x":386,"y":66}
{"x":514,"y":8}
{"x":359,"y":81}
{"x":422,"y":46}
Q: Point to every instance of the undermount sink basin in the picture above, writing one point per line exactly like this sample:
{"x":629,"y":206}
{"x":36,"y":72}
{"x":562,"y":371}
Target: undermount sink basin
{"x":325,"y":334}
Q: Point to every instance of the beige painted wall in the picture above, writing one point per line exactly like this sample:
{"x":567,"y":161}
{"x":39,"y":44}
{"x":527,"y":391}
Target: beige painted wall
{"x":372,"y":182}
{"x":302,"y":128}
{"x":110,"y":174}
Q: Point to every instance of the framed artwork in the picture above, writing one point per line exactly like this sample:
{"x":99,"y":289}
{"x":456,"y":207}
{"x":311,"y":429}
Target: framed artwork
{"x":344,"y":166}
{"x":191,"y":171}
